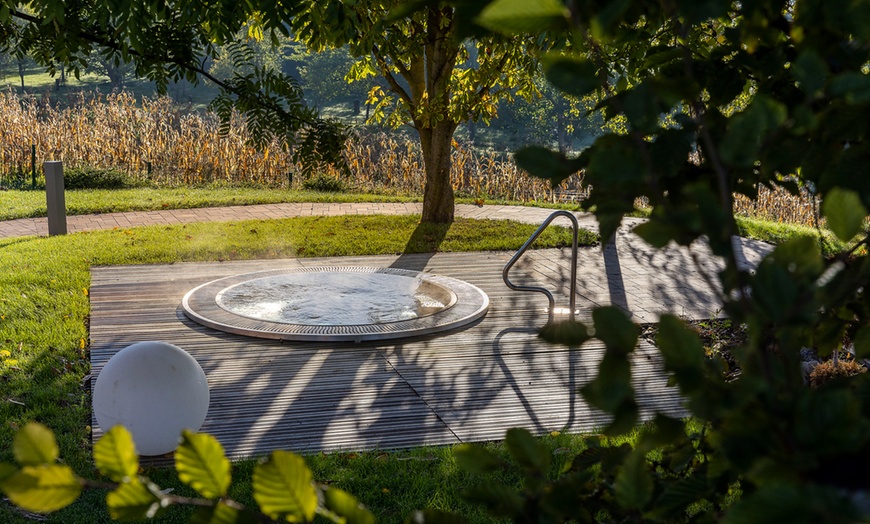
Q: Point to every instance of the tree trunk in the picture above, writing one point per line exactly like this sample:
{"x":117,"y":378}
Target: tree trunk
{"x":561,"y":133}
{"x":21,"y":72}
{"x":438,"y":203}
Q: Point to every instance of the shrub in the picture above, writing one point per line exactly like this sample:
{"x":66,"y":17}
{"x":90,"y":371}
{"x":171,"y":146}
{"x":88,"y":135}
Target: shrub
{"x":324,"y":183}
{"x":95,"y":178}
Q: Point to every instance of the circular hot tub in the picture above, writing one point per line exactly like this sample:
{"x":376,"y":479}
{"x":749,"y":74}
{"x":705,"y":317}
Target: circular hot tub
{"x":335,"y":304}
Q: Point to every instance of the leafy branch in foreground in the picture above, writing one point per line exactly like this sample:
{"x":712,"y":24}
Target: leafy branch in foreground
{"x":283,"y":485}
{"x":719,"y":98}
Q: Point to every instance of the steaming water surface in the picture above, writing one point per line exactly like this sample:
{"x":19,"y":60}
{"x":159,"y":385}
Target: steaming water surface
{"x":331,"y":299}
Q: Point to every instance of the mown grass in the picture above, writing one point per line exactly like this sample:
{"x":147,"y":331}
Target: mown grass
{"x":779,"y":232}
{"x":29,"y":204}
{"x":44,"y":303}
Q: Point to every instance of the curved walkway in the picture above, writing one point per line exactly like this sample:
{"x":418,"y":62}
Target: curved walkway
{"x":79,"y":223}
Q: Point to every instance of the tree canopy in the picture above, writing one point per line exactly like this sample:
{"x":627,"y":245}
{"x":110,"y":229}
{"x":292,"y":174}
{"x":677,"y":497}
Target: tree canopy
{"x":434,"y":79}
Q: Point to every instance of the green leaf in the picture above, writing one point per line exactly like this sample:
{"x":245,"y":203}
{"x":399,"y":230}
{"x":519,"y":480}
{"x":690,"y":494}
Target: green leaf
{"x":810,"y":71}
{"x":34,"y":445}
{"x":561,"y":499}
{"x":615,"y":329}
{"x":6,"y":471}
{"x":665,"y":431}
{"x":678,"y":496}
{"x":845,"y":212}
{"x":615,"y":164}
{"x":608,"y":223}
{"x":659,"y":55}
{"x":614,"y":457}
{"x":607,"y":16}
{"x":625,"y":417}
{"x":134,"y":500}
{"x":862,"y":342}
{"x":655,"y":232}
{"x":549,"y":165}
{"x":568,"y":332}
{"x":587,"y":458}
{"x":499,"y":499}
{"x":283,"y":488}
{"x":43,"y":488}
{"x":634,"y":484}
{"x":201,"y":464}
{"x":775,"y":291}
{"x":523,"y":16}
{"x":771,"y":503}
{"x":747,"y":130}
{"x":612,"y":385}
{"x":115,"y":454}
{"x":220,"y":513}
{"x":571,"y":75}
{"x":697,"y":11}
{"x":855,"y":87}
{"x":682,"y":351}
{"x":642,"y":107}
{"x":476,"y":459}
{"x":435,"y":516}
{"x":527,"y":452}
{"x":347,"y":506}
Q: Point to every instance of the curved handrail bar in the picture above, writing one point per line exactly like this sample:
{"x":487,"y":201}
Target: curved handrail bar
{"x":536,"y":289}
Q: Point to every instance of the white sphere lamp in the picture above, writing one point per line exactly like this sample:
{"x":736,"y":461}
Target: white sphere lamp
{"x":155,"y":390}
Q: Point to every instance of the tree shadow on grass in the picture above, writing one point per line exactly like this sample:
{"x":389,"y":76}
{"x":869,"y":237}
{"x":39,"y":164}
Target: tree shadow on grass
{"x":424,"y":242}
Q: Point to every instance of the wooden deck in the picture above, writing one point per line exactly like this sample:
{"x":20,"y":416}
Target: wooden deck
{"x":471,"y":384}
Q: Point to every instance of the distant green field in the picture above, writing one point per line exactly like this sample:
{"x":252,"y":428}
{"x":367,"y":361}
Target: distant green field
{"x":38,"y":82}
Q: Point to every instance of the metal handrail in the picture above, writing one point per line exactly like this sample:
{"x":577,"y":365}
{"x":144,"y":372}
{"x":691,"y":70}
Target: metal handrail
{"x":537,"y":289}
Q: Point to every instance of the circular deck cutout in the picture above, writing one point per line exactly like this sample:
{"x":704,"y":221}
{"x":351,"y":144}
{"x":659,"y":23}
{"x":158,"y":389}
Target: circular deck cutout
{"x":335,"y":304}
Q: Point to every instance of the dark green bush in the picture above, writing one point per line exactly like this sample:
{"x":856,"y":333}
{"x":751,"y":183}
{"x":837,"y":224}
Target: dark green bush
{"x":96,"y":178}
{"x":323,"y":183}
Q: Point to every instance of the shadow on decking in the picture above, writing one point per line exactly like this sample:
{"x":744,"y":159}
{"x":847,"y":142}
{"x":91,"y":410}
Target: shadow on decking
{"x":469,"y":384}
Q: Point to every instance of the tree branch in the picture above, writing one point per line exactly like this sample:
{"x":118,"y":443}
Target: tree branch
{"x":109,"y":43}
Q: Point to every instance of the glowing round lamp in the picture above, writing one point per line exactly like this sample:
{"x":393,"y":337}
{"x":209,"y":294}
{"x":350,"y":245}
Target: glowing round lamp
{"x":155,"y":390}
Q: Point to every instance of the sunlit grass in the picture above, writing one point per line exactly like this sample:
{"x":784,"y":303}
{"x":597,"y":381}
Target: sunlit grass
{"x":778,"y":232}
{"x":24,"y":204}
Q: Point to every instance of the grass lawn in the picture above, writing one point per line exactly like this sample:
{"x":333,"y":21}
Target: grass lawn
{"x":28,"y":204}
{"x":778,"y":232}
{"x":44,"y":311}
{"x":39,"y":83}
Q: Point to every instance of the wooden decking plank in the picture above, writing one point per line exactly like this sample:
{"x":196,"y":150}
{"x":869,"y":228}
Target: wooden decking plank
{"x":467,"y":384}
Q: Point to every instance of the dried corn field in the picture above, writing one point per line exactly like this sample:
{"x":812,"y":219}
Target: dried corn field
{"x":122,"y":133}
{"x":154,"y":139}
{"x":181,"y":147}
{"x":381,"y":161}
{"x":779,"y":205}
